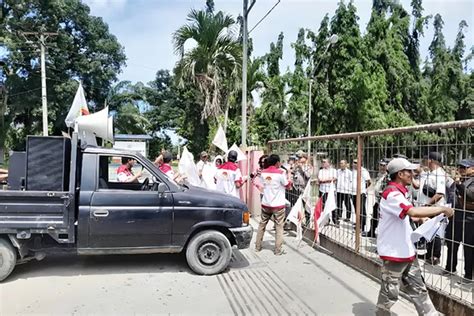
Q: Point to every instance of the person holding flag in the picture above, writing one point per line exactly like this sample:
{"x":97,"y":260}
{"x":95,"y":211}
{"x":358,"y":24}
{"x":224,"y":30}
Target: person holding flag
{"x":394,"y":244}
{"x":275,"y":181}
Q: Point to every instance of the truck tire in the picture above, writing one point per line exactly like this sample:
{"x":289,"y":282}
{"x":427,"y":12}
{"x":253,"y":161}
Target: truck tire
{"x":7,"y":259}
{"x":209,"y":252}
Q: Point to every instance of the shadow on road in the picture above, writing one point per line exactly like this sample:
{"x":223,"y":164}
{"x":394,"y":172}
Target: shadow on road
{"x":363,"y":309}
{"x":74,"y":265}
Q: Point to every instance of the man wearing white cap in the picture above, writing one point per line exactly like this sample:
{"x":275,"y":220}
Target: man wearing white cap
{"x":394,"y":244}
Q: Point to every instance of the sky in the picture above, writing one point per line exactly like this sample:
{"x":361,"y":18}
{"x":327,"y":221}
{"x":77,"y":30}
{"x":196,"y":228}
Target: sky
{"x":145,"y":27}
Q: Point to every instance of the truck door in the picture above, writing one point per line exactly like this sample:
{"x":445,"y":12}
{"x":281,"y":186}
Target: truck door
{"x":128,"y":214}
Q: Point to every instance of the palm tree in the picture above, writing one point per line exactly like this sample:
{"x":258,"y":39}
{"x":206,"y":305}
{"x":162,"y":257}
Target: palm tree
{"x":127,"y":100}
{"x":215,"y":59}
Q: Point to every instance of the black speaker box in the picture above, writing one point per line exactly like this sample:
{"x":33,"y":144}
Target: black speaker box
{"x":17,"y":170}
{"x":47,"y":163}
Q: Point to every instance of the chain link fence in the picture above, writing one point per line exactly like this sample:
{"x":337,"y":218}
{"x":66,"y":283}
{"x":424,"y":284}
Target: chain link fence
{"x":354,"y":163}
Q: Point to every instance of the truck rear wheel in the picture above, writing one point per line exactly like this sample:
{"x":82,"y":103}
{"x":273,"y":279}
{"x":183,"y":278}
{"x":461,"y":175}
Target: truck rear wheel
{"x":7,"y":259}
{"x":209,"y":252}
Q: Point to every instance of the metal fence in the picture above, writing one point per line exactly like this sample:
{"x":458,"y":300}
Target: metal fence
{"x":354,"y":223}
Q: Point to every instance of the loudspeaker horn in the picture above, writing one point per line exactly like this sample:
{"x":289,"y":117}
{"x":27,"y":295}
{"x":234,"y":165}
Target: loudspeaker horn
{"x":98,"y":124}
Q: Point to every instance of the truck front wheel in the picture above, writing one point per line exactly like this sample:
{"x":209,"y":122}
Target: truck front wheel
{"x":7,"y":259}
{"x":209,"y":252}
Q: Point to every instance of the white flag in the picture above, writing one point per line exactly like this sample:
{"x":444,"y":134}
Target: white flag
{"x":434,"y":226}
{"x":78,"y":107}
{"x":240,"y":154}
{"x":296,"y":216}
{"x":187,"y":168}
{"x":329,"y":207}
{"x":220,"y":141}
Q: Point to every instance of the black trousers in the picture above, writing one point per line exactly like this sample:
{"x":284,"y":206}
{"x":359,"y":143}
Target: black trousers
{"x":363,"y":209}
{"x":468,"y":248}
{"x":324,"y":196}
{"x":374,"y":221}
{"x":434,"y":248}
{"x":453,"y":241}
{"x":340,"y":199}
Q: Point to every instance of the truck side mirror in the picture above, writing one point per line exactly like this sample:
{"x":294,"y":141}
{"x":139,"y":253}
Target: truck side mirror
{"x":162,"y":188}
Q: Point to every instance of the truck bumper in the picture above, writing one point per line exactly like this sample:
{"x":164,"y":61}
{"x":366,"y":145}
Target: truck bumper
{"x":243,"y":236}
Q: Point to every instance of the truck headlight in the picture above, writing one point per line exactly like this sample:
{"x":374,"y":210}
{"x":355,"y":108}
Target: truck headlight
{"x":246,"y":218}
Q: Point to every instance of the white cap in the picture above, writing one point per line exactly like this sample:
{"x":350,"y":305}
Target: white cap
{"x":399,"y":164}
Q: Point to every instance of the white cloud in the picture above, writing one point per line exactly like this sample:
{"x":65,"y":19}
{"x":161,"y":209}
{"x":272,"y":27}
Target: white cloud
{"x":105,"y":7}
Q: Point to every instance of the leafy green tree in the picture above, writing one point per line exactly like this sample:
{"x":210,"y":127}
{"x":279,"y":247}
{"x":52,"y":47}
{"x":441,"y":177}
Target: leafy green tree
{"x":83,"y":49}
{"x":215,"y":58}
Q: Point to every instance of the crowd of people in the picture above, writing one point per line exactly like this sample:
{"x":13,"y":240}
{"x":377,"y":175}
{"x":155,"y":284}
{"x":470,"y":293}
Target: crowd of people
{"x":405,"y":195}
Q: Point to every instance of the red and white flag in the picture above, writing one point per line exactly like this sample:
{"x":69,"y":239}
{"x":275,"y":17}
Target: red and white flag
{"x":297,"y":216}
{"x":318,"y":210}
{"x":78,"y":107}
{"x":322,"y":215}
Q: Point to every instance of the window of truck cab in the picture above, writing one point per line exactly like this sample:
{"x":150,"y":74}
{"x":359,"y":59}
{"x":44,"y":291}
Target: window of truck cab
{"x":112,"y":170}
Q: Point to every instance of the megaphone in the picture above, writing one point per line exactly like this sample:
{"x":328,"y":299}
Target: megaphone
{"x":99,"y":124}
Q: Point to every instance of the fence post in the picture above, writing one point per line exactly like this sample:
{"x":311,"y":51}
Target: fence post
{"x":358,"y":191}
{"x":269,"y":149}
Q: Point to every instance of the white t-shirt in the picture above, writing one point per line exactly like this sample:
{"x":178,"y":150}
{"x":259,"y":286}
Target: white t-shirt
{"x":274,"y":182}
{"x":364,"y":178}
{"x":435,"y":179}
{"x":393,"y":240}
{"x":326,"y":174}
{"x":344,"y":181}
{"x":227,"y":175}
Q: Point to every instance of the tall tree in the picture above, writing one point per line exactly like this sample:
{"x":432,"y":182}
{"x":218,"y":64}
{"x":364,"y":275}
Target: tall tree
{"x":83,"y":49}
{"x":215,"y":58}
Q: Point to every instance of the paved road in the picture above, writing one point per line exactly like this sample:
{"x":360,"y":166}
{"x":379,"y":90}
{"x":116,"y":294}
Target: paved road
{"x":301,"y":282}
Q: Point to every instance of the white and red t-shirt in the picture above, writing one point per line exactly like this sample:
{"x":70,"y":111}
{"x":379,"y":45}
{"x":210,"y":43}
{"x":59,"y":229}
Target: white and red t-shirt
{"x":274,"y":182}
{"x":168,"y":171}
{"x":393,"y":239}
{"x":228,"y":175}
{"x":124,"y":174}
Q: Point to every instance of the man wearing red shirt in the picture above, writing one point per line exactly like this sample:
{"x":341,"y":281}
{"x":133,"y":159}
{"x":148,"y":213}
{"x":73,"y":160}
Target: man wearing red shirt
{"x":394,"y":244}
{"x":125,"y":172}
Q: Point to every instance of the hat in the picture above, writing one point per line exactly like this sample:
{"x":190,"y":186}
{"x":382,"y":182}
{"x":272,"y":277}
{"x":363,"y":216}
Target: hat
{"x":399,"y":164}
{"x":203,"y":154}
{"x":383,"y":162}
{"x":468,"y":163}
{"x":300,"y":154}
{"x":354,"y":160}
{"x":434,"y":155}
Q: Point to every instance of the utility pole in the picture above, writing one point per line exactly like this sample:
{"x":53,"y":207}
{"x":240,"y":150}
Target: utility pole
{"x":44,"y":100}
{"x":309,"y":115}
{"x":245,"y":35}
{"x":42,"y":41}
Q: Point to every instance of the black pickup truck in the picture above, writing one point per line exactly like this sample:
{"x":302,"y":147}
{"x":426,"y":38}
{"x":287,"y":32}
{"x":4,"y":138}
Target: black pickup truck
{"x":98,"y":215}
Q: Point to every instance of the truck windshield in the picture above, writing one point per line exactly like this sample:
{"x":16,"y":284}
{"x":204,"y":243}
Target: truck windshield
{"x":151,"y":166}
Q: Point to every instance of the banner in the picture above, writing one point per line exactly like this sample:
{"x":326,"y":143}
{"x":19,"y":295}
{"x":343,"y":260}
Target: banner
{"x":220,"y":141}
{"x":78,"y":107}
